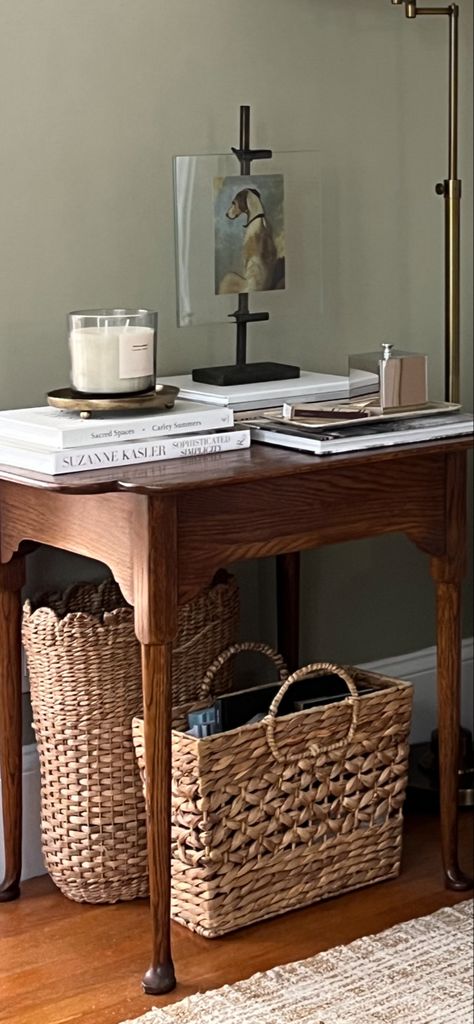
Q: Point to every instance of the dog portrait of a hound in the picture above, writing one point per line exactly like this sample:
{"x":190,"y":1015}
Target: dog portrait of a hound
{"x":249,"y":249}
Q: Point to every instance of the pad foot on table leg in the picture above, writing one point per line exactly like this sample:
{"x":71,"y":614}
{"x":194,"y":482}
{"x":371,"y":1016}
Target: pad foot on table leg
{"x":159,"y":980}
{"x":457,"y":880}
{"x":9,"y":891}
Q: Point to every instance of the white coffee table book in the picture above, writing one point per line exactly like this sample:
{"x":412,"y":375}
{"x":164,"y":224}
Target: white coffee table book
{"x":57,"y":428}
{"x":309,"y":387}
{"x":332,"y":440}
{"x":53,"y":441}
{"x":126,"y":453}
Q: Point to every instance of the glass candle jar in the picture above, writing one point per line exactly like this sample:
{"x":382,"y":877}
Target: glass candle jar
{"x":113,"y":351}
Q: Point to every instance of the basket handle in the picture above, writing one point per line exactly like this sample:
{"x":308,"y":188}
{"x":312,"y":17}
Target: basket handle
{"x":207,"y":685}
{"x":316,"y":668}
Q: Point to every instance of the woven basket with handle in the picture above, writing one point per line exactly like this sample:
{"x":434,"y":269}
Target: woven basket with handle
{"x":275,"y":815}
{"x":85,"y":677}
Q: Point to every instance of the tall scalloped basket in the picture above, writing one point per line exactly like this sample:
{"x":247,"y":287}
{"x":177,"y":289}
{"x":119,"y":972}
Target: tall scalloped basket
{"x":85,"y":677}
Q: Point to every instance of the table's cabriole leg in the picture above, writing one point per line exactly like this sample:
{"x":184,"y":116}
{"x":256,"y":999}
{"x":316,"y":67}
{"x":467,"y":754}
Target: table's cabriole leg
{"x":156,"y":617}
{"x":156,"y":671}
{"x":11,"y":581}
{"x":449,"y":700}
{"x":448,"y":572}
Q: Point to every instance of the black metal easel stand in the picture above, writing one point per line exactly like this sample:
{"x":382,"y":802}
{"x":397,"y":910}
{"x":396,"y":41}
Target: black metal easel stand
{"x":242,"y":372}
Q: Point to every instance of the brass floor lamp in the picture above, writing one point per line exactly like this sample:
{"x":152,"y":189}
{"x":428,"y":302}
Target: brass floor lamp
{"x":450,"y":189}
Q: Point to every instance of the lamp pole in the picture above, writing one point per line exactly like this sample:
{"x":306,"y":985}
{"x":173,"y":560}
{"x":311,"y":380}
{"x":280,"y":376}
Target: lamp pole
{"x":450,"y":189}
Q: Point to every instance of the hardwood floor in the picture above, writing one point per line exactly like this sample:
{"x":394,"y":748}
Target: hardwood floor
{"x":70,"y":963}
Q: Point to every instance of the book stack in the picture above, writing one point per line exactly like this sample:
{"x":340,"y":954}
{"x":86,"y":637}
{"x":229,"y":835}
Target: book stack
{"x":330,"y":431}
{"x":308,"y":387}
{"x":53,"y":441}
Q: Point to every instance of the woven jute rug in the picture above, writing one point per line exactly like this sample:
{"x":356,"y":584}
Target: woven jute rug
{"x":420,"y":972}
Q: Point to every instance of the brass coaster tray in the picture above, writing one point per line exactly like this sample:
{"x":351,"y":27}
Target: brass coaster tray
{"x":66,"y":398}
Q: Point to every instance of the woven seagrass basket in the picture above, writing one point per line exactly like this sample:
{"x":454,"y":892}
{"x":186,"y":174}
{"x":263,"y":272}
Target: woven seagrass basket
{"x":85,"y":676}
{"x":275,"y":815}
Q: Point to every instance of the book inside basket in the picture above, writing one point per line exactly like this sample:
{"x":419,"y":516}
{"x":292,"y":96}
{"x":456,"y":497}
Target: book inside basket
{"x":241,"y":707}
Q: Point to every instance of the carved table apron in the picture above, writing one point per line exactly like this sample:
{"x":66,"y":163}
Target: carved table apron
{"x":163,"y":529}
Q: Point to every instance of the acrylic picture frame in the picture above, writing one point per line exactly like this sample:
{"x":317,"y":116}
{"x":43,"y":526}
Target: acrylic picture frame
{"x":298,"y":234}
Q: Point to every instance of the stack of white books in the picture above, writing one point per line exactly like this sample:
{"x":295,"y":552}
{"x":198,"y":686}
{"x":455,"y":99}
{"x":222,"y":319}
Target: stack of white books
{"x":379,"y":432}
{"x":53,"y":441}
{"x":308,"y":387}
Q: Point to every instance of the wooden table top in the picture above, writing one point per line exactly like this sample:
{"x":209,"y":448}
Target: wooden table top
{"x":255,"y":463}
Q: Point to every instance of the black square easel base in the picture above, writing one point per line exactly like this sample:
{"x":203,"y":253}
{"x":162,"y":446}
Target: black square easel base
{"x":247,"y":373}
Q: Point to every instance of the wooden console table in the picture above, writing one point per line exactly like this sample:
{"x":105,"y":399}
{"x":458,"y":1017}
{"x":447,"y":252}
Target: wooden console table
{"x":164,"y":529}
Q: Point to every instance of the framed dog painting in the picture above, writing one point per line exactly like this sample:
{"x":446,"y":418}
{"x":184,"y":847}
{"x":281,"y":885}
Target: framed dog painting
{"x":249,"y":233}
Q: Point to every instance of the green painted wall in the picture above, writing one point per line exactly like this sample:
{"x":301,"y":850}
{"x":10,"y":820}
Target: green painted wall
{"x":98,"y":95}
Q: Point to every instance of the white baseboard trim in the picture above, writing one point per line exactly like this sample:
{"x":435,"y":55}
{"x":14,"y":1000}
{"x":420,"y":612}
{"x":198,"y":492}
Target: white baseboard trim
{"x":418,"y":668}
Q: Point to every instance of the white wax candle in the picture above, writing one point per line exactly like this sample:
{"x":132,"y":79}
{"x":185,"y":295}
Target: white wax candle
{"x":112,"y":360}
